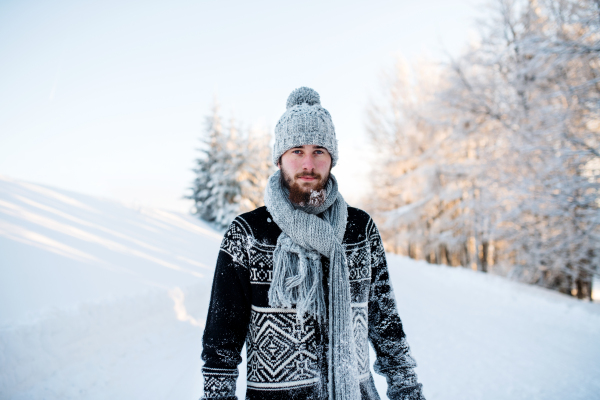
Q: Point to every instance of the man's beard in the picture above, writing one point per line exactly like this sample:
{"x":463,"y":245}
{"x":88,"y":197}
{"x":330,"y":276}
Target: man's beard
{"x":313,"y":198}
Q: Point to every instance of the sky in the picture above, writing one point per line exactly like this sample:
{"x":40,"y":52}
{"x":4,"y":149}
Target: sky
{"x":108,"y":98}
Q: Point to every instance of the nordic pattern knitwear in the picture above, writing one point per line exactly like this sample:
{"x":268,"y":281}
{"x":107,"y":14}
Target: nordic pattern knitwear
{"x":286,"y":359}
{"x":305,"y":122}
{"x":296,"y":276}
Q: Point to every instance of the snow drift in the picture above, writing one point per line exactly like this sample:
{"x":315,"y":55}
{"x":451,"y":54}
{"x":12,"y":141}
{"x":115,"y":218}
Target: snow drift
{"x":99,"y":300}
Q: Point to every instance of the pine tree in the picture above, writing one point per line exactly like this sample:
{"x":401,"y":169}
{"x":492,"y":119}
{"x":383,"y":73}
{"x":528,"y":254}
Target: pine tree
{"x":231,"y":172}
{"x":202,"y":187}
{"x":216,"y":190}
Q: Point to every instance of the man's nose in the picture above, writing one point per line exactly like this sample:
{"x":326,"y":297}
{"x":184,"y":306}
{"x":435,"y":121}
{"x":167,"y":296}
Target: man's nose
{"x":308,"y":163}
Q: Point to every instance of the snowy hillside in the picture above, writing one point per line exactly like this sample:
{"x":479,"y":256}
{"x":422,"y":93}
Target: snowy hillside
{"x":99,"y":300}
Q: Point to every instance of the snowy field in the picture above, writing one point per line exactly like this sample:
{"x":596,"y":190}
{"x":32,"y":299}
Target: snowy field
{"x":103,"y":301}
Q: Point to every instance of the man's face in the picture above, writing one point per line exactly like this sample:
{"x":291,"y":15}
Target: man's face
{"x":305,"y":171}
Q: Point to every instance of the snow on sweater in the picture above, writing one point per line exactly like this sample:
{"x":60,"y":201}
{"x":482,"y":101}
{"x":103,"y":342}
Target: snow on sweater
{"x":287,"y":358}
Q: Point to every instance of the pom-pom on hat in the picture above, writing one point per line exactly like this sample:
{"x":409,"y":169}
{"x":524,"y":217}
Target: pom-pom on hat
{"x":305,"y":122}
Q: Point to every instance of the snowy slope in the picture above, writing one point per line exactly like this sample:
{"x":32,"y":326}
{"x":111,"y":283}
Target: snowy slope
{"x":99,"y":300}
{"x":66,"y":248}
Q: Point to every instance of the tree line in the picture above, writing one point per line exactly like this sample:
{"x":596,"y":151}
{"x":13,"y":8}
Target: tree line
{"x":492,"y":160}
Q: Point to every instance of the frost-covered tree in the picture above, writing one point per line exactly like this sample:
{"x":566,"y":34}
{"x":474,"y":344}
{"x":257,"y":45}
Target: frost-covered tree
{"x":230,"y":175}
{"x":216,"y":189}
{"x":500,"y":159}
{"x":534,"y":76}
{"x":257,"y":168}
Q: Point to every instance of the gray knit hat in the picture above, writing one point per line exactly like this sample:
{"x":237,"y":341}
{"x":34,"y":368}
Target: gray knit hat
{"x":305,"y":122}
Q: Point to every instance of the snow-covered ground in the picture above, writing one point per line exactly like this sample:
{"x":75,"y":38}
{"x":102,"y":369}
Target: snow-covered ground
{"x":99,"y":300}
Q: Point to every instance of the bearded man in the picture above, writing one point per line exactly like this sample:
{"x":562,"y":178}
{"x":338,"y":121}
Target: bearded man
{"x":303,"y":282}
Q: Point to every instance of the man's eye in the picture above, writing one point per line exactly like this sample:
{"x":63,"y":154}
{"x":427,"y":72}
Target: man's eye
{"x":297,"y":151}
{"x":319,"y":151}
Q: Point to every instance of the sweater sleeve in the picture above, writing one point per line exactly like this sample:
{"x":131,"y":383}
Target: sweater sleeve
{"x":228,"y":316}
{"x":393,"y":358}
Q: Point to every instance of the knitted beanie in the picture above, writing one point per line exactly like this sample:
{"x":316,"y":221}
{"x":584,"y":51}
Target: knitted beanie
{"x":305,"y":122}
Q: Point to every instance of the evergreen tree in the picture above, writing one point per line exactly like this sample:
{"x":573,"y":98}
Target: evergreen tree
{"x":215,"y":190}
{"x":231,"y":172}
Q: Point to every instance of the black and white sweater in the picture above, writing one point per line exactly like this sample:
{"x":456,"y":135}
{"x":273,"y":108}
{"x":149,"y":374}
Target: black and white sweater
{"x":288,"y":359}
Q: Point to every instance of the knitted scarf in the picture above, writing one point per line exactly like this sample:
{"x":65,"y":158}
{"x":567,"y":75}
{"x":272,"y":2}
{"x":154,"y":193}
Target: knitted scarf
{"x":297,"y":275}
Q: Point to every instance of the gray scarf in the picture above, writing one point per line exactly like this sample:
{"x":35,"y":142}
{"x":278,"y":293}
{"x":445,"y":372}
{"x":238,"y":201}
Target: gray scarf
{"x":297,"y":275}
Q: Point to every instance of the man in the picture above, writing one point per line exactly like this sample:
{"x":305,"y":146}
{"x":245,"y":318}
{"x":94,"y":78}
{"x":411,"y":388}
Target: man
{"x":304,"y":283}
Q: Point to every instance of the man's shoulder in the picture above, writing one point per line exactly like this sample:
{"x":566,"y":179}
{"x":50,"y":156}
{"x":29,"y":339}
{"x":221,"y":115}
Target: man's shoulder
{"x":360,"y":225}
{"x":261,"y":215}
{"x":255,"y":216}
{"x":356,"y":214}
{"x":258,"y":223}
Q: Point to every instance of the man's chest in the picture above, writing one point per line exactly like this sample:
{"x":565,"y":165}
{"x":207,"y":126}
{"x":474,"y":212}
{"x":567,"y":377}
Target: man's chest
{"x":358,"y":258}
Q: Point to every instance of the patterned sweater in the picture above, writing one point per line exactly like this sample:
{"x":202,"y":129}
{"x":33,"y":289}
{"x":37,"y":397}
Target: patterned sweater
{"x":287,"y":358}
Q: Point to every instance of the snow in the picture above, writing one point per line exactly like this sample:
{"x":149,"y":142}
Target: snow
{"x":102,"y":300}
{"x":477,"y":336}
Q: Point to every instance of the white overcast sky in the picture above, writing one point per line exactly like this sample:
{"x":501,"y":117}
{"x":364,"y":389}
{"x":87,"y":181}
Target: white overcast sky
{"x":109,"y":97}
